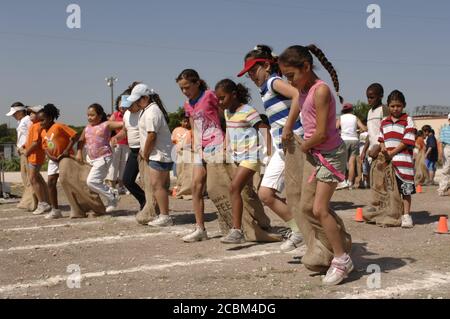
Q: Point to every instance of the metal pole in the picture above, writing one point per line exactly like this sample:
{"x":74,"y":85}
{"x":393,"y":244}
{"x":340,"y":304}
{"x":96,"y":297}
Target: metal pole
{"x":112,"y":98}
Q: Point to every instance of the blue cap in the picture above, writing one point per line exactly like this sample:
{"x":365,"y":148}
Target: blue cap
{"x":124,"y":102}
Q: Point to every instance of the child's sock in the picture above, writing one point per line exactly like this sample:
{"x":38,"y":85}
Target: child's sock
{"x":292,"y":224}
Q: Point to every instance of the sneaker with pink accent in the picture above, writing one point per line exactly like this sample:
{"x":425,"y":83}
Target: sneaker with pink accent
{"x":338,"y":271}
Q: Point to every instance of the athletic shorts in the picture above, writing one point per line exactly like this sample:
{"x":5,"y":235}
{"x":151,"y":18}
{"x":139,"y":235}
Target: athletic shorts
{"x":274,"y":172}
{"x":53,"y":168}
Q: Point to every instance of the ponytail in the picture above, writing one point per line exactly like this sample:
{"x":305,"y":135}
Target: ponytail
{"x":297,"y":55}
{"x":328,"y":66}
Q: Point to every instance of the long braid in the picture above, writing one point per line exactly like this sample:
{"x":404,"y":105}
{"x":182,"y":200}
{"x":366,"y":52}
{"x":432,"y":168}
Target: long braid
{"x":328,"y":66}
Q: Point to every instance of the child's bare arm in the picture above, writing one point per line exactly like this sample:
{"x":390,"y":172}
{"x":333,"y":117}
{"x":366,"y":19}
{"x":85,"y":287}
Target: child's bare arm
{"x":31,"y":149}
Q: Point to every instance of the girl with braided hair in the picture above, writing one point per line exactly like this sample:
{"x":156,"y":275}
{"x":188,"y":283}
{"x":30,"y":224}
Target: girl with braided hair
{"x":321,"y":140}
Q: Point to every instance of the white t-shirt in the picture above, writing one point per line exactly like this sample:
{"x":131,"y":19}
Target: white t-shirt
{"x":349,"y":127}
{"x":152,"y":120}
{"x":22,"y":131}
{"x":131,"y":122}
{"x":374,"y":118}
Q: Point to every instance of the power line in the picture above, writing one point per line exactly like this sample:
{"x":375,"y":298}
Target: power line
{"x":241,"y":54}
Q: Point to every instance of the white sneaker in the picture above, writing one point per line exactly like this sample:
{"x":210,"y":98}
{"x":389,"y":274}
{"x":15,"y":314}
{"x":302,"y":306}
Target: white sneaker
{"x":42,"y":208}
{"x":294,"y":241}
{"x":197,"y":235}
{"x":407,"y":221}
{"x":343,"y":185}
{"x":338,"y":272}
{"x":162,"y":221}
{"x":235,"y":236}
{"x":112,"y":204}
{"x":54,"y":214}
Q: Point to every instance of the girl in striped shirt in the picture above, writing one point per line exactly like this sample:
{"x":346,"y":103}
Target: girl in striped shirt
{"x":243,"y":123}
{"x":261,"y":65}
{"x":397,"y":141}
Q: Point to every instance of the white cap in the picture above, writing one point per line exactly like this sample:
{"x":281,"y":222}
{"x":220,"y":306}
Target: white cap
{"x":139,"y":91}
{"x":16,"y":109}
{"x":35,"y":109}
{"x":449,"y":116}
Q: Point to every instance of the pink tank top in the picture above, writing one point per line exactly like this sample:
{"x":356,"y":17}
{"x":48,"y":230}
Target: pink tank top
{"x":309,"y":116}
{"x":97,"y":140}
{"x":118,"y":117}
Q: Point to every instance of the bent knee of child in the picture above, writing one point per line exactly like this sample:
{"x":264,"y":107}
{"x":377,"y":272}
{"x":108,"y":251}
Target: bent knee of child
{"x":266,"y":196}
{"x":320,"y":210}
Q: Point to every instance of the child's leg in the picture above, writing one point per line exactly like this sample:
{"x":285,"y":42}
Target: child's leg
{"x":158,"y":181}
{"x":271,"y":184}
{"x":53,"y":192}
{"x":270,"y":198}
{"x":351,"y":169}
{"x":406,"y":204}
{"x":198,"y":184}
{"x":242,"y":177}
{"x":96,"y":178}
{"x":321,"y":210}
{"x":36,"y":182}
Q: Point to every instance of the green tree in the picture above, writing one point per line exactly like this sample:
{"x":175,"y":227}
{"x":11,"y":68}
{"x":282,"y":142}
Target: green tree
{"x":361,"y":109}
{"x":175,"y":118}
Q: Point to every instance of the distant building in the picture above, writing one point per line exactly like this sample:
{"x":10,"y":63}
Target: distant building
{"x":434,"y":115}
{"x":431,"y":111}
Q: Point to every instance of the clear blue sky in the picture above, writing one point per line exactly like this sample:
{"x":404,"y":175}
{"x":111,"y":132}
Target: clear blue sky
{"x":152,"y":41}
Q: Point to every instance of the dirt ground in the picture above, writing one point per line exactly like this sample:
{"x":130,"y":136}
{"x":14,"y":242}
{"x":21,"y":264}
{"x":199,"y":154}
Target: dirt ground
{"x":117,"y":258}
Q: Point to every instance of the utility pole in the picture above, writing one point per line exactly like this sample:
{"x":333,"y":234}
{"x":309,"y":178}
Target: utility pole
{"x":110,"y":82}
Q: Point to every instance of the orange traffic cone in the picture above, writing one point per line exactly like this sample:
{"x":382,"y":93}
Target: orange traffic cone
{"x":174,"y":192}
{"x":443,"y":226}
{"x":419,"y":189}
{"x":359,"y":215}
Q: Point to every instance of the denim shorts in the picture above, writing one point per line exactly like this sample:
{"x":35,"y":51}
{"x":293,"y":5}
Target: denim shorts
{"x":35,"y":166}
{"x":160,"y":166}
{"x":431,"y":165}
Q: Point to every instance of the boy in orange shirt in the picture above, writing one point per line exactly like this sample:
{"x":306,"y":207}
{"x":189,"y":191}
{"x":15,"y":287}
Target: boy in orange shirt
{"x":35,"y":157}
{"x":57,"y":140}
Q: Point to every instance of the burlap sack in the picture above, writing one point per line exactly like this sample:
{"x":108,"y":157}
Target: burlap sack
{"x":29,"y":200}
{"x":384,"y":186}
{"x":151,"y":209}
{"x":184,"y":174}
{"x":421,"y":169}
{"x":73,"y":176}
{"x":255,"y":223}
{"x":300,"y":199}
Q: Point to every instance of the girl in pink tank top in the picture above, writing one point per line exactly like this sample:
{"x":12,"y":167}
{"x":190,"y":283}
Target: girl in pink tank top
{"x":96,"y":137}
{"x":322,"y":141}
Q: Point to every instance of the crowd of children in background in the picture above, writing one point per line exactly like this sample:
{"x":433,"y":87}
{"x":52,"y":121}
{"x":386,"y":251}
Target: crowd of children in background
{"x":303,"y":105}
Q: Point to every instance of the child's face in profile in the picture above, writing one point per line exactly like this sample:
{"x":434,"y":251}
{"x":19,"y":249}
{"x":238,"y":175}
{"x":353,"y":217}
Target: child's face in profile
{"x":93,"y":117}
{"x":396,"y":108}
{"x":46,"y":121}
{"x":190,"y":89}
{"x":373,"y":98}
{"x":225,"y":99}
{"x":185,"y":124}
{"x":34,"y":117}
{"x":295,"y":76}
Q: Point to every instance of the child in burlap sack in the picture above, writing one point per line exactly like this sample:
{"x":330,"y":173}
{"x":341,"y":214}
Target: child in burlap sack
{"x":261,"y":66}
{"x":243,"y":124}
{"x":322,"y":141}
{"x":202,"y":109}
{"x":397,"y":141}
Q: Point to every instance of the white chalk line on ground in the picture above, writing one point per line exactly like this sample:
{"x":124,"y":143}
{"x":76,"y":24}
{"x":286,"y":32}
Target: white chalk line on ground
{"x":51,"y":226}
{"x":53,"y":281}
{"x":104,"y":240}
{"x":432,"y":280}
